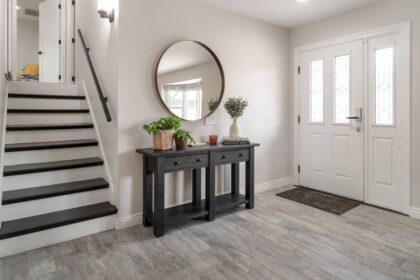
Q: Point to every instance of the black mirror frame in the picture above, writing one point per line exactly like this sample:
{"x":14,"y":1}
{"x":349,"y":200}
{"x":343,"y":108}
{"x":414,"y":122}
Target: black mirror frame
{"x":222,"y":76}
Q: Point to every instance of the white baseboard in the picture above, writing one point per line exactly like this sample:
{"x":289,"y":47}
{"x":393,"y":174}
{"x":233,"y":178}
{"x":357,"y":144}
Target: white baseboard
{"x":136,"y":219}
{"x":415,"y":213}
{"x":129,"y":221}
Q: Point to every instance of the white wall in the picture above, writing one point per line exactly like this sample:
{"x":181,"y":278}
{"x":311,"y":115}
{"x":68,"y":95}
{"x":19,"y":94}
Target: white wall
{"x":102,"y":39}
{"x":255,"y":57}
{"x":27,"y":43}
{"x":381,"y":14}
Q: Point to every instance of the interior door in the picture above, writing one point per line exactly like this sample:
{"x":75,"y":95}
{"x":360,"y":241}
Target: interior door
{"x":331,"y":120}
{"x":49,"y":37}
{"x":389,"y":125}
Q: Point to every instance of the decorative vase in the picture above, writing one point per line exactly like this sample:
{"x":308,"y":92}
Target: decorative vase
{"x":163,"y":140}
{"x":181,"y":144}
{"x":235,"y":130}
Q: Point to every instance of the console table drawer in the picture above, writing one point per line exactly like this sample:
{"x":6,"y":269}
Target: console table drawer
{"x":232,"y":156}
{"x":186,"y":162}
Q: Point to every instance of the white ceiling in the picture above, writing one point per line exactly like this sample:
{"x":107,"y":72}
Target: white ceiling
{"x":289,"y":13}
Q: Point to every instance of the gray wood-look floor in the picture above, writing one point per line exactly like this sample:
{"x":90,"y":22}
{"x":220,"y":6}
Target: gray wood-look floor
{"x":279,"y":239}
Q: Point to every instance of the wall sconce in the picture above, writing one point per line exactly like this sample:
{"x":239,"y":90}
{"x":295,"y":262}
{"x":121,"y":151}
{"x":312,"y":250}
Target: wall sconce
{"x":105,"y":10}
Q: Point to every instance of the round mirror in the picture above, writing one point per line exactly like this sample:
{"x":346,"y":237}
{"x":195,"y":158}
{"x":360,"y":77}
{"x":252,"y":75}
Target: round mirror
{"x":190,"y":80}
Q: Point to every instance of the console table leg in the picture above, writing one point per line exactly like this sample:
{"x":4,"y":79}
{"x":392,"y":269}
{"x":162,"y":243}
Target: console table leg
{"x":147,"y":193}
{"x":211,"y":189}
{"x":196,"y":188}
{"x":235,"y":178}
{"x":250,"y":181}
{"x":159,"y":199}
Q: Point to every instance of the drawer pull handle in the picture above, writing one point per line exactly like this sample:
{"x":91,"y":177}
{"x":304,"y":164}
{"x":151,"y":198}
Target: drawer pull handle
{"x":176,"y":163}
{"x":241,"y":154}
{"x":223,"y":157}
{"x":198,"y":160}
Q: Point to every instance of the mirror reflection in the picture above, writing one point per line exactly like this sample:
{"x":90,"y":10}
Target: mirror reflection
{"x":190,"y":80}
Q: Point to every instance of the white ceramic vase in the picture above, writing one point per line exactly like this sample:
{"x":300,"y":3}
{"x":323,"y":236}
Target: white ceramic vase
{"x":235,"y":130}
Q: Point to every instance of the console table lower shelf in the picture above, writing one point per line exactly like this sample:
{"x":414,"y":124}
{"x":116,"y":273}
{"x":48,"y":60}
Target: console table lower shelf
{"x":189,"y":211}
{"x":157,"y":163}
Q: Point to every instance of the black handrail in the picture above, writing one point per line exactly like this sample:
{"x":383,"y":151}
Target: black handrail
{"x":103,"y":99}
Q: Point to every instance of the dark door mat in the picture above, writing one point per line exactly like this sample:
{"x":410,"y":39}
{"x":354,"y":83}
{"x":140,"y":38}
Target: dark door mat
{"x":328,"y":202}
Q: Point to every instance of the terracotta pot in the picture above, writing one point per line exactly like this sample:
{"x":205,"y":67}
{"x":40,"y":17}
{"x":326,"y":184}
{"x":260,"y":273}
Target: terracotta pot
{"x":163,"y":140}
{"x":181,"y":144}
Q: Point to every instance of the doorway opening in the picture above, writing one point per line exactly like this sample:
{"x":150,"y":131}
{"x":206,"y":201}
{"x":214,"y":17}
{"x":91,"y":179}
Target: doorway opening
{"x":40,"y":44}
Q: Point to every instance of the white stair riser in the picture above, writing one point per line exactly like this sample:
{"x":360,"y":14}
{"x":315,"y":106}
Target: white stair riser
{"x":53,"y":236}
{"x":19,"y":119}
{"x":25,"y":157}
{"x":35,"y":103}
{"x":53,"y":204}
{"x":52,"y":177}
{"x":42,"y":88}
{"x":13,"y":137}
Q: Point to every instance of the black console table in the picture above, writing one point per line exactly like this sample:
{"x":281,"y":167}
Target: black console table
{"x":157,"y":163}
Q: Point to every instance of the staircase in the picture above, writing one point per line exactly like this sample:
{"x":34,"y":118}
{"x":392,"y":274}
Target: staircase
{"x":55,"y":186}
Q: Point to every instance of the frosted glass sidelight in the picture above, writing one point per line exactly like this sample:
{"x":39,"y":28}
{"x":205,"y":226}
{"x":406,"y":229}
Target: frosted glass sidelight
{"x":317,"y":91}
{"x":342,"y":89}
{"x":384,"y":86}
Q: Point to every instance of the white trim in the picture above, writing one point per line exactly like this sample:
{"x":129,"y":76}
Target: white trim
{"x":404,"y":29}
{"x":415,"y":213}
{"x":3,"y":142}
{"x":112,"y":194}
{"x":136,"y":219}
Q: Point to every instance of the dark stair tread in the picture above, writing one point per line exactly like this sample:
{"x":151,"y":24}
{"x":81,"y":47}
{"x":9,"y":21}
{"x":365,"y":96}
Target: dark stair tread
{"x":21,"y":169}
{"x":16,"y":196}
{"x":50,"y":145}
{"x":47,"y":111}
{"x":46,"y":96}
{"x":48,"y":126}
{"x":33,"y":224}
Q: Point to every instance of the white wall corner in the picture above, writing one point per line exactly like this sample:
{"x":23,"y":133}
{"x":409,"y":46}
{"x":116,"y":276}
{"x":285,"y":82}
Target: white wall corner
{"x":136,"y":219}
{"x":415,"y":213}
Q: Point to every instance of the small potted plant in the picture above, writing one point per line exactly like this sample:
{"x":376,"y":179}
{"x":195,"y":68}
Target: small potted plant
{"x":212,"y":103}
{"x":182,"y":139}
{"x":235,"y":107}
{"x":163,"y":131}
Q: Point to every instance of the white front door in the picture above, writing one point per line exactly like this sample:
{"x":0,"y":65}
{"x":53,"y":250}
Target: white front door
{"x":388,"y":124}
{"x":331,"y":144}
{"x":49,"y":36}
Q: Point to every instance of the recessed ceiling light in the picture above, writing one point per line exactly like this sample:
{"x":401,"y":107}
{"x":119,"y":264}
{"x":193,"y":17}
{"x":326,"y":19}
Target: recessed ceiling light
{"x":302,"y":1}
{"x":17,"y":8}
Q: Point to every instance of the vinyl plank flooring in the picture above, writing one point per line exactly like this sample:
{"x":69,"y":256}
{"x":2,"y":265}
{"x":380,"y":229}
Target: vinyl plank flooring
{"x":279,"y":239}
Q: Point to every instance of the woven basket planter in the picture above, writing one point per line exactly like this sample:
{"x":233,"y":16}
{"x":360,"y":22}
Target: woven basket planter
{"x":163,"y":140}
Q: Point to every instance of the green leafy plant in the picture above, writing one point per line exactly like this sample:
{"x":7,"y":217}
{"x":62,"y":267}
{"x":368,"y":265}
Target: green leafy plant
{"x":213,"y":103}
{"x":235,"y":106}
{"x":168,"y":123}
{"x":184,"y":135}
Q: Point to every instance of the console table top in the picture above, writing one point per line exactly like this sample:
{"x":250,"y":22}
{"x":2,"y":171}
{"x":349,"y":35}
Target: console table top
{"x":150,"y":152}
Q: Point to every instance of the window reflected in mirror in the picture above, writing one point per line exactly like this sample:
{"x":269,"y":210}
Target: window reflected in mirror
{"x":190,"y":80}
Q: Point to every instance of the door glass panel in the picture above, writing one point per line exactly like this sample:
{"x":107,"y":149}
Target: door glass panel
{"x":317,"y":91}
{"x":342,"y":89}
{"x":384,"y":86}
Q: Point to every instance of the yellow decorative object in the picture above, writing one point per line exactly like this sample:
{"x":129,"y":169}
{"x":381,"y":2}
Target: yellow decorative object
{"x":31,"y":71}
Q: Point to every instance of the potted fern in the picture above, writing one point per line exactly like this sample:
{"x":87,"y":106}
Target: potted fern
{"x":163,"y":131}
{"x":182,"y":139}
{"x":235,"y":107}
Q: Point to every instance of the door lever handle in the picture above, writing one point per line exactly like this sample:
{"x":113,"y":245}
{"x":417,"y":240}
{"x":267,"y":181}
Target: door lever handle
{"x":353,"y":118}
